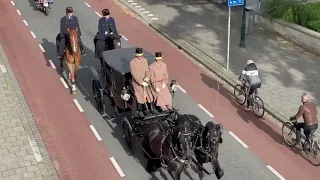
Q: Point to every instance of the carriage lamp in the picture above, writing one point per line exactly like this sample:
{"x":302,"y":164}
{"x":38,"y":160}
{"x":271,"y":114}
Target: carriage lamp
{"x":173,"y":85}
{"x":125,"y":94}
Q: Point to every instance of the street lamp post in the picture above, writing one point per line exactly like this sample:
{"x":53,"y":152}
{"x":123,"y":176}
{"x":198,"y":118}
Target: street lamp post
{"x":243,"y":26}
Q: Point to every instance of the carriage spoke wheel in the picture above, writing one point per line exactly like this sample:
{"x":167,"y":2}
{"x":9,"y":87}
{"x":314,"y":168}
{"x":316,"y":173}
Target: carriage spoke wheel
{"x":288,"y":134}
{"x":127,"y":133}
{"x":98,"y":97}
{"x":314,"y":155}
{"x":258,"y":106}
{"x":239,"y":94}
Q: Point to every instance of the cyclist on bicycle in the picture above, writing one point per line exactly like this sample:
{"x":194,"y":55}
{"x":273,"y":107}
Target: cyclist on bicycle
{"x":308,"y":111}
{"x":250,"y":75}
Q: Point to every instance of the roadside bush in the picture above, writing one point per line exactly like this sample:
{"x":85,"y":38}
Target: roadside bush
{"x":307,"y":15}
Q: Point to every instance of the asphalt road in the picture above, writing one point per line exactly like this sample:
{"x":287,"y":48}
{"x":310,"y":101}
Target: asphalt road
{"x":237,"y":161}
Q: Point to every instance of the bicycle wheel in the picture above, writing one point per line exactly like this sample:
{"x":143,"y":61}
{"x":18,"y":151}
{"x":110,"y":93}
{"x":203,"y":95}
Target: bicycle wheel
{"x":314,"y":155}
{"x":258,"y":106}
{"x":239,"y":94}
{"x":288,"y":133}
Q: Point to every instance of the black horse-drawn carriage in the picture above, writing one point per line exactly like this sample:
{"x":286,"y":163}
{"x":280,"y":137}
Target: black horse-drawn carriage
{"x":165,"y":137}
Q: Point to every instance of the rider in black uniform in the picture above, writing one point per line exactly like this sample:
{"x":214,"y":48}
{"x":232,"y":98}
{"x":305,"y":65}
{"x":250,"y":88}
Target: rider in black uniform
{"x":68,"y":21}
{"x":106,"y":32}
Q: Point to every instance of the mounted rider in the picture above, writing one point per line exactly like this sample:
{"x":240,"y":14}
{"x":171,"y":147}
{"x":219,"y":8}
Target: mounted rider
{"x":68,"y":21}
{"x":140,"y":77}
{"x":107,"y":31}
{"x":159,"y":80}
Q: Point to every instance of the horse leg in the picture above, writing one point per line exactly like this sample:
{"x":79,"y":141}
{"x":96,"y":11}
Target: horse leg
{"x":77,"y":65}
{"x":175,"y":169}
{"x":61,"y":64}
{"x":71,"y":75}
{"x":219,"y":172}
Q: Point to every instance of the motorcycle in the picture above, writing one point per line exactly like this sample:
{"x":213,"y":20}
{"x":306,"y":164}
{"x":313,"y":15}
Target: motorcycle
{"x":44,"y":5}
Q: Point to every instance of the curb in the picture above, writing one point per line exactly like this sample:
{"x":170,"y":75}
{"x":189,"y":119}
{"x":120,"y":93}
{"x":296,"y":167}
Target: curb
{"x":40,"y":152}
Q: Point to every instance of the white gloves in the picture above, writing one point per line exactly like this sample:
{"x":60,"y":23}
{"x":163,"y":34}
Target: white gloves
{"x":144,"y":84}
{"x":146,"y":79}
{"x":163,"y":85}
{"x":158,"y":89}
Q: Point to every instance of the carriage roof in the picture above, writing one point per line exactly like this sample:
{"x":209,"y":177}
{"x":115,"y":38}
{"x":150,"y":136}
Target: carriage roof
{"x":119,"y":59}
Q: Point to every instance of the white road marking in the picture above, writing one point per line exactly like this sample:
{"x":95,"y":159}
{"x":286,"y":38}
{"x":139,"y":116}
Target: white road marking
{"x":35,"y":149}
{"x":205,"y":110}
{"x":276,"y":173}
{"x":130,"y":1}
{"x":87,"y":4}
{"x":25,"y":22}
{"x":125,"y":38}
{"x":41,"y":47}
{"x":138,"y":6}
{"x":238,"y":139}
{"x":146,"y":12}
{"x":150,"y":15}
{"x":13,"y":3}
{"x":134,"y":4}
{"x":78,"y":105}
{"x":98,"y":14}
{"x":199,"y":25}
{"x":52,"y":64}
{"x":64,"y":83}
{"x":154,"y":18}
{"x":3,"y":68}
{"x":142,"y":9}
{"x":18,"y":12}
{"x":181,"y":89}
{"x":95,"y":132}
{"x":33,"y":35}
{"x":114,"y":162}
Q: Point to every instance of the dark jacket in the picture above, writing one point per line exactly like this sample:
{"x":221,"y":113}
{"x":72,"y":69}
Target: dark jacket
{"x":105,"y":27}
{"x":66,"y":23}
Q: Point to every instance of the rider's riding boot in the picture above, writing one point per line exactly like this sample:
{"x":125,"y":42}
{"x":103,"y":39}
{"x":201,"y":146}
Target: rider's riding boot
{"x":83,"y":53}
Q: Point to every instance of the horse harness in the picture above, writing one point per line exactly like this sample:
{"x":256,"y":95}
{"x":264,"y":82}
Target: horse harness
{"x":205,"y":149}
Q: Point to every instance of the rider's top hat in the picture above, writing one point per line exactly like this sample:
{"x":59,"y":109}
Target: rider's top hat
{"x":69,"y":10}
{"x":139,"y":52}
{"x":158,"y":55}
{"x":105,"y":12}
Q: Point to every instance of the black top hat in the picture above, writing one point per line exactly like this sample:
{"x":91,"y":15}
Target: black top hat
{"x":158,"y":55}
{"x":69,"y":10}
{"x":105,"y":12}
{"x":139,"y":52}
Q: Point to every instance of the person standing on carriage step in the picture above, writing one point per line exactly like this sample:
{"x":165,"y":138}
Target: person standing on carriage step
{"x":159,"y":80}
{"x":68,"y":21}
{"x":140,"y":77}
{"x":107,"y":31}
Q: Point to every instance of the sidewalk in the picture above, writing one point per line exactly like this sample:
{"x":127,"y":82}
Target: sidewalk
{"x":23,"y":154}
{"x":200,"y":29}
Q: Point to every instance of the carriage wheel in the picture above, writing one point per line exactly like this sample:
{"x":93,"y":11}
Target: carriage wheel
{"x":98,"y":97}
{"x":127,"y":133}
{"x":112,"y":102}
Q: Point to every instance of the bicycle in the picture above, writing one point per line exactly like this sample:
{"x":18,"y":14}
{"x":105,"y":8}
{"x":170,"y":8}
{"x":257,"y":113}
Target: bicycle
{"x":256,"y":102}
{"x":310,"y":147}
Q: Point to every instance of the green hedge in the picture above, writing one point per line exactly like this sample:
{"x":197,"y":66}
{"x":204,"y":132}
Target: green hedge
{"x":307,"y":15}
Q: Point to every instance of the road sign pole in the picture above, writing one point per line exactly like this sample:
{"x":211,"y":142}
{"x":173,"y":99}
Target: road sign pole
{"x":243,"y":26}
{"x":229,"y":26}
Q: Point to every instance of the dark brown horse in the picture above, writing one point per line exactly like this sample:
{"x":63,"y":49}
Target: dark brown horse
{"x":72,"y":57}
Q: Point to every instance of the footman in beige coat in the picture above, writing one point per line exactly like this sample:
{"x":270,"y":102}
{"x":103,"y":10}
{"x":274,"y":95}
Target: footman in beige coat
{"x":159,"y":80}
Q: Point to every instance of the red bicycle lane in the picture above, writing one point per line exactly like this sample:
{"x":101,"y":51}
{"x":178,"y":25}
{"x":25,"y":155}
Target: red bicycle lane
{"x":261,"y":135}
{"x":73,"y":147}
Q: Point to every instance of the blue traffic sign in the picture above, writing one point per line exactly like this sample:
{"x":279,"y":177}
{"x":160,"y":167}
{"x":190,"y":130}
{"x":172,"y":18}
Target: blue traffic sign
{"x":235,"y":2}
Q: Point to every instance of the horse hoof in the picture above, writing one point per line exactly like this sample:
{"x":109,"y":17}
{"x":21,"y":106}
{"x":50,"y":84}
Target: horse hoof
{"x":219,"y":173}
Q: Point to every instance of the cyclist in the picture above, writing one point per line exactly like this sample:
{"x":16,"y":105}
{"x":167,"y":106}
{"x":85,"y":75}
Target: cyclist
{"x":250,"y":75}
{"x":308,"y":111}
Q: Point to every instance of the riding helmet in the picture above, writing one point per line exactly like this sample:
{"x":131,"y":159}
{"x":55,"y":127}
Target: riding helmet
{"x":139,"y":52}
{"x":69,"y":10}
{"x":158,"y":55}
{"x":105,"y":12}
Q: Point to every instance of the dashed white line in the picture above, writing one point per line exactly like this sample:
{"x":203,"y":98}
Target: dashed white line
{"x":146,"y":12}
{"x":52,"y":64}
{"x":25,"y":22}
{"x":238,"y":139}
{"x":154,"y":18}
{"x":150,"y":15}
{"x":130,"y":1}
{"x":78,"y":105}
{"x":98,"y":14}
{"x":18,"y":12}
{"x":41,"y":47}
{"x":3,"y":68}
{"x":64,"y":83}
{"x":142,"y":9}
{"x":114,"y":162}
{"x":137,"y":6}
{"x":125,"y":38}
{"x":95,"y":132}
{"x":13,"y":4}
{"x":33,"y":35}
{"x":87,"y":4}
{"x":205,"y":110}
{"x":276,"y":173}
{"x":134,"y":4}
{"x":181,"y":89}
